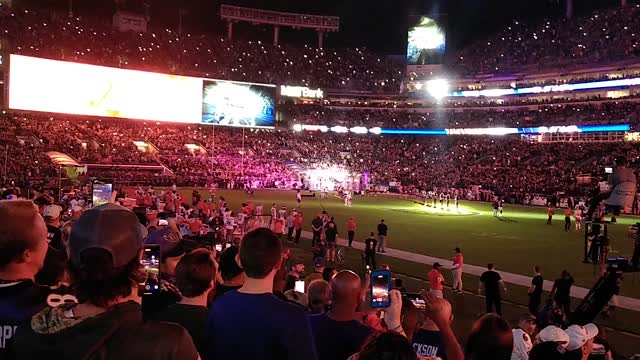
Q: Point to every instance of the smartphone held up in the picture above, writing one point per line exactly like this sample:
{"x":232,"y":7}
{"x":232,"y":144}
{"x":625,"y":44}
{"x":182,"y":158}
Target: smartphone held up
{"x":380,"y":286}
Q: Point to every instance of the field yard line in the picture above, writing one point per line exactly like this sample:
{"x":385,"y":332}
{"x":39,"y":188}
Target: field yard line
{"x":576,"y":291}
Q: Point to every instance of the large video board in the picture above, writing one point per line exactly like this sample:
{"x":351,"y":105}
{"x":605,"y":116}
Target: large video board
{"x":426,"y":41}
{"x":63,"y":87}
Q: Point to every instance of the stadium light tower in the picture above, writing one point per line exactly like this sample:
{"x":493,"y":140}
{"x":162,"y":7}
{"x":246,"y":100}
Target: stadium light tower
{"x":438,"y":88}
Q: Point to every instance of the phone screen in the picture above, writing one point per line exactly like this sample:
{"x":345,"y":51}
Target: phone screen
{"x":299,"y":287}
{"x":151,"y":263}
{"x":101,"y":193}
{"x":417,"y":301}
{"x":380,"y":286}
{"x":218,"y":247}
{"x":163,"y":222}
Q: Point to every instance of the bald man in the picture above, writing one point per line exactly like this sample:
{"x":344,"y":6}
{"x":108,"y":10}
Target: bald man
{"x":336,"y":333}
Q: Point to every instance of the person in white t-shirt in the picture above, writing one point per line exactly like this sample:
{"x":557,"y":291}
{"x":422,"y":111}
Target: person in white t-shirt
{"x":274,"y":215}
{"x":298,"y":197}
{"x":259,"y":209}
{"x":577,"y":214}
{"x":229,"y":225}
{"x":282,"y":213}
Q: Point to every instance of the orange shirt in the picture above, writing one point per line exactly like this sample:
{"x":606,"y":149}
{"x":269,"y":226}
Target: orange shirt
{"x":550,"y":212}
{"x":195,"y":225}
{"x":297,"y":223}
{"x":435,"y":280}
{"x":278,"y":227}
{"x":351,"y":225}
{"x":567,"y":212}
{"x":458,"y":259}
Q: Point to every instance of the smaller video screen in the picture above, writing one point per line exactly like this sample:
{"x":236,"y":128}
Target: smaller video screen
{"x":238,"y":104}
{"x":101,"y":193}
{"x":426,"y":41}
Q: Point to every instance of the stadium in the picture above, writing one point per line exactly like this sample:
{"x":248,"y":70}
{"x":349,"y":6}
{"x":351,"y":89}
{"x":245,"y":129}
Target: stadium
{"x":519,"y":147}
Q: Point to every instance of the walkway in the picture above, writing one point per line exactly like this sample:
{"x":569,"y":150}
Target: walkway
{"x":576,"y":291}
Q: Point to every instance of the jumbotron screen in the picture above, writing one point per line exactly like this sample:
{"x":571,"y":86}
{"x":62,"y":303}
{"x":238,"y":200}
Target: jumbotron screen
{"x":238,"y":104}
{"x":37,"y":84}
{"x":426,"y":41}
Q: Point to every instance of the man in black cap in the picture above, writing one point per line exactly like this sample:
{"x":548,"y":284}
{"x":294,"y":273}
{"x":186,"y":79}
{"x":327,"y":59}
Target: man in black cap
{"x":105,"y":252}
{"x":436,"y":281}
{"x":295,"y":273}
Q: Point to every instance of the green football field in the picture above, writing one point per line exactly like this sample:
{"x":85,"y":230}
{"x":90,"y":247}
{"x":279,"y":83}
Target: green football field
{"x":515,"y":243}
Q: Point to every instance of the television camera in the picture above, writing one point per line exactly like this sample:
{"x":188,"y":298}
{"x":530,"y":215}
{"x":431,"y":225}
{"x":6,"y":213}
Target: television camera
{"x":610,"y":281}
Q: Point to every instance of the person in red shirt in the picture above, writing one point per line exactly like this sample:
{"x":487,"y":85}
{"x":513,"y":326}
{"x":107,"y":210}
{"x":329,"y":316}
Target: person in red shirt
{"x":456,"y":271}
{"x":278,"y":227}
{"x":297,"y":226}
{"x":195,"y":225}
{"x":351,"y":229}
{"x":550,"y":213}
{"x":436,"y":281}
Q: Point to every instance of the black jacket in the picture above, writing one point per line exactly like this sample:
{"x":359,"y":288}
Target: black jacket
{"x":119,"y":333}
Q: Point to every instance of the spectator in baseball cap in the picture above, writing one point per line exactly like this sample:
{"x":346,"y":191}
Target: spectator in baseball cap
{"x":581,"y":340}
{"x":51,"y":215}
{"x":23,"y":247}
{"x":553,"y":333}
{"x":105,"y":252}
{"x":318,"y":268}
{"x":295,"y":273}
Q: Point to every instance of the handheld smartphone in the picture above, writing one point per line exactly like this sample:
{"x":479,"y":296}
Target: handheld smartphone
{"x":299,"y":286}
{"x":151,"y":263}
{"x":218,"y":247}
{"x":163,"y":222}
{"x":608,"y":170}
{"x":417,"y":301}
{"x":227,"y":245}
{"x":101,"y":193}
{"x":380,"y":287}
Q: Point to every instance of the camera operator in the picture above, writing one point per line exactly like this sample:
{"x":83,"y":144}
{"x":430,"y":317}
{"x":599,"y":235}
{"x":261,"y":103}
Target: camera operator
{"x":623,"y":189}
{"x":105,"y":251}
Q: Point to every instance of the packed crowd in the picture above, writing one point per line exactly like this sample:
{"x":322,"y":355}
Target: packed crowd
{"x":111,"y":283}
{"x":504,"y":165}
{"x":624,"y":112}
{"x":600,"y":37}
{"x":56,"y":36}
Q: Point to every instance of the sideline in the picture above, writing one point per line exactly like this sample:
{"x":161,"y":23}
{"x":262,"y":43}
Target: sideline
{"x":576,"y":291}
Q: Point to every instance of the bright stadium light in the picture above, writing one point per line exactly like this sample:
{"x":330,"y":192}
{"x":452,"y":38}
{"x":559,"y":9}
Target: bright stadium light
{"x":438,"y":88}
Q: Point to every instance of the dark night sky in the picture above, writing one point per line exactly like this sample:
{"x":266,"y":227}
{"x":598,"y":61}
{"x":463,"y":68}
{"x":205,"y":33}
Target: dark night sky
{"x":380,"y":25}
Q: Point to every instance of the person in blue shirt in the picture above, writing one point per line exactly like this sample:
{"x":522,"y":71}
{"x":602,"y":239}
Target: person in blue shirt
{"x":252,"y":323}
